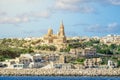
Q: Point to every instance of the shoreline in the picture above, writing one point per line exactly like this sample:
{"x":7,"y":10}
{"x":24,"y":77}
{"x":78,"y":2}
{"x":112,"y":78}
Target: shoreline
{"x":60,"y":72}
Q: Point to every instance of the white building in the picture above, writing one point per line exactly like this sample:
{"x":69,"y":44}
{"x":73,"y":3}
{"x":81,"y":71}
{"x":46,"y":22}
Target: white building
{"x":25,"y":61}
{"x":111,"y":64}
{"x":38,"y":62}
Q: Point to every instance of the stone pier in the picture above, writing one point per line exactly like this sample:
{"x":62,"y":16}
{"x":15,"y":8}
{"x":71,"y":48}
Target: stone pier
{"x":60,"y":72}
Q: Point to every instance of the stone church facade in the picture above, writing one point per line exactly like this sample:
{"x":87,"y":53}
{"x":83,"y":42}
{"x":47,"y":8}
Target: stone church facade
{"x":58,"y":38}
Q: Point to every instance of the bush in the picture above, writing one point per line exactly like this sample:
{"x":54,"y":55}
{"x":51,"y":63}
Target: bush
{"x":2,"y":58}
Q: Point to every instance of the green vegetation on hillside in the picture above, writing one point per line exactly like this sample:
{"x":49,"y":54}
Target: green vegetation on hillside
{"x":46,"y":47}
{"x":100,"y":47}
{"x":11,"y":48}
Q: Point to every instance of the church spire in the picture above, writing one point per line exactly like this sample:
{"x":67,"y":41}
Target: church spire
{"x":61,"y":32}
{"x":61,"y":24}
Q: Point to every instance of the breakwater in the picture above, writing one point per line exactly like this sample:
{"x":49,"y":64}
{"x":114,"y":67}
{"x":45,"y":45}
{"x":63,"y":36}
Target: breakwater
{"x":60,"y":72}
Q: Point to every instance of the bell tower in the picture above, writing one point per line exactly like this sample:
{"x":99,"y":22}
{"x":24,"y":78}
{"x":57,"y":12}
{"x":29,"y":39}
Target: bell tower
{"x":58,"y":38}
{"x":61,"y":34}
{"x":50,"y":32}
{"x":61,"y":31}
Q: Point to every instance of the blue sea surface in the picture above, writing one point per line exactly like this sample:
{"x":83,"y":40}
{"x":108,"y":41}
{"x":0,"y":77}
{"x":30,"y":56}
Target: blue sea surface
{"x":58,"y":78}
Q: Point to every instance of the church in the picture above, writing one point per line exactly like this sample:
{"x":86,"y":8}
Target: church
{"x":58,"y":38}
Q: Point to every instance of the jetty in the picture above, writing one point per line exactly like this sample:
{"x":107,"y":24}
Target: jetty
{"x":60,"y":72}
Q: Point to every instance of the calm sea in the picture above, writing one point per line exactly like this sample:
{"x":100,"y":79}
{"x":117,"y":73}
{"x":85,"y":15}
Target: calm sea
{"x":56,"y":78}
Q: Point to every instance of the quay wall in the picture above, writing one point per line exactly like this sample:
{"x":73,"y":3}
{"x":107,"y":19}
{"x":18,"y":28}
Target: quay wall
{"x":60,"y":72}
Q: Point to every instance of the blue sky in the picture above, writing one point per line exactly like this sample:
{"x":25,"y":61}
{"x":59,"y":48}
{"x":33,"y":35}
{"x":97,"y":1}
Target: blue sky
{"x":32,"y":18}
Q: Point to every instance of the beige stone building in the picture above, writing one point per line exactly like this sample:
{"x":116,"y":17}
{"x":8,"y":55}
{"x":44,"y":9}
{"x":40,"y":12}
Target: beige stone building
{"x":91,"y":63}
{"x":89,"y":52}
{"x":75,"y":50}
{"x":111,"y":39}
{"x":59,"y":38}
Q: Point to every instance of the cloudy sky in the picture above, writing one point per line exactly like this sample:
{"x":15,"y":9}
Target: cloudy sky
{"x":27,"y":18}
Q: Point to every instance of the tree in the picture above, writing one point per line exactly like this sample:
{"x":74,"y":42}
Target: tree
{"x":118,"y":63}
{"x":46,"y":47}
{"x":113,"y":46}
{"x":2,"y":58}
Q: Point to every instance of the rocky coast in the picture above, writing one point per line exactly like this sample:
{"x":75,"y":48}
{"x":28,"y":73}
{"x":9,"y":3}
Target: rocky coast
{"x":60,"y":72}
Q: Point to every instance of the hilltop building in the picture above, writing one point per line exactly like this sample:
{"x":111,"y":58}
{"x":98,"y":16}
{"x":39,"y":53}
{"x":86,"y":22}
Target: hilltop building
{"x":111,"y":39}
{"x":58,"y":38}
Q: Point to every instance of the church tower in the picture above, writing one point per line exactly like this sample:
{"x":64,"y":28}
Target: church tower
{"x":61,"y":31}
{"x":61,"y":34}
{"x":50,"y":32}
{"x":59,"y":38}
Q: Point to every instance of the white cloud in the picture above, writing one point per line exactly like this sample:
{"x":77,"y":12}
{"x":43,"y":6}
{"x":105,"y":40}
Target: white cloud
{"x":63,"y":6}
{"x":83,"y":6}
{"x":13,"y":20}
{"x":2,"y":13}
{"x":42,"y":14}
{"x":73,"y":5}
{"x":114,"y":2}
{"x":19,"y":1}
{"x":23,"y":18}
{"x":112,"y":27}
{"x":21,"y":11}
{"x":94,"y":28}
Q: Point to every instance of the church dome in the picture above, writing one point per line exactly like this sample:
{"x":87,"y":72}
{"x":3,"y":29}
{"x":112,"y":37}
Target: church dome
{"x":50,"y":31}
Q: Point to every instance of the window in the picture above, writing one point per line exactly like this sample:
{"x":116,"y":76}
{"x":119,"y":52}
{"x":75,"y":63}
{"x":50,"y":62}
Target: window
{"x":15,"y":65}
